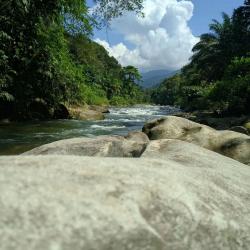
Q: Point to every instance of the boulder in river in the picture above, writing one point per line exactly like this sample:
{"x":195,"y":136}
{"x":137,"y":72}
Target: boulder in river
{"x":106,"y":146}
{"x":229,"y":143}
{"x":71,"y":202}
{"x":85,"y":113}
{"x":137,"y":136}
{"x":184,"y":153}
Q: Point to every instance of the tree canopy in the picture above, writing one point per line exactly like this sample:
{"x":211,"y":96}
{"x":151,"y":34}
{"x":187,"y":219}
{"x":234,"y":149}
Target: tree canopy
{"x":46,"y":54}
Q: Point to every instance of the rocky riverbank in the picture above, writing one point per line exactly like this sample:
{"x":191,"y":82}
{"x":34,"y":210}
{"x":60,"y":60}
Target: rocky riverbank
{"x":87,"y":112}
{"x":40,"y":111}
{"x":176,"y":185}
{"x":239,"y":124}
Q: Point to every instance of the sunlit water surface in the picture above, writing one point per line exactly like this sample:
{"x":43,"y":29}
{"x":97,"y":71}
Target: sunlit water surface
{"x":17,"y":138}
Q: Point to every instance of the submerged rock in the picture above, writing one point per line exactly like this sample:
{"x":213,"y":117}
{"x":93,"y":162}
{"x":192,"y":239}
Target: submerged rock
{"x":229,"y":143}
{"x":106,"y":146}
{"x":70,"y":202}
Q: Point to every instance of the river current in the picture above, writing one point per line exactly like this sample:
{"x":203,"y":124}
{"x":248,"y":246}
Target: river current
{"x":16,"y":138}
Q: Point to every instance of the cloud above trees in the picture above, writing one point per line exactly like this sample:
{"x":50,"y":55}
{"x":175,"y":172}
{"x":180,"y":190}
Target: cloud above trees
{"x":161,"y":40}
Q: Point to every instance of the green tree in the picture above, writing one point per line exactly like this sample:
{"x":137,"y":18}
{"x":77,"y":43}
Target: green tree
{"x":214,"y":51}
{"x":36,"y":63}
{"x":131,"y":77}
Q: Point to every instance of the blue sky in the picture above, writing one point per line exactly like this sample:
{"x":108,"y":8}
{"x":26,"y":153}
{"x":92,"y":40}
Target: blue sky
{"x":206,"y":10}
{"x":165,"y":37}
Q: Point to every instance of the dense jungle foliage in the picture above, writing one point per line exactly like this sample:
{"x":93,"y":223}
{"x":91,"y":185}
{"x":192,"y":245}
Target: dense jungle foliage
{"x":47,"y":57}
{"x":218,"y":75}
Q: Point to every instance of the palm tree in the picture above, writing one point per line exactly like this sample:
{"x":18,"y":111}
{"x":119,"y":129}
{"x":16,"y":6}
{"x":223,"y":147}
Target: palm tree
{"x":214,"y":50}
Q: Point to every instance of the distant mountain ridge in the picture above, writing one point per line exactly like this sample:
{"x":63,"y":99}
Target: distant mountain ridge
{"x":154,"y":78}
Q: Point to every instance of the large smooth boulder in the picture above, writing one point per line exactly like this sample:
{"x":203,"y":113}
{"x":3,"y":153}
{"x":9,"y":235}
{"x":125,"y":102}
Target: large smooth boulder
{"x":184,"y":153}
{"x":70,"y":202}
{"x":137,"y":136}
{"x":105,"y":146}
{"x":229,"y":143}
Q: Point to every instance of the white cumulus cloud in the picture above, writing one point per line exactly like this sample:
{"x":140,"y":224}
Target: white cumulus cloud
{"x":162,"y":39}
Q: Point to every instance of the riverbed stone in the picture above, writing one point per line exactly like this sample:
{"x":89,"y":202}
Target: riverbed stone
{"x":85,"y":113}
{"x":229,"y":143}
{"x":105,"y":146}
{"x":137,"y":136}
{"x":91,"y":203}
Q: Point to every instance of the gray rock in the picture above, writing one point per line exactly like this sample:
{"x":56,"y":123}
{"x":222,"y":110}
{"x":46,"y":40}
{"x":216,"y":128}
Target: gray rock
{"x":86,"y":112}
{"x":137,"y":136}
{"x":105,"y":146}
{"x":70,"y":202}
{"x":183,"y":153}
{"x":229,"y":143}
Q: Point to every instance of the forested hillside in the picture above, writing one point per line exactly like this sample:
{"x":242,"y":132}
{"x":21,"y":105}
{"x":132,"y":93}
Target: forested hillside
{"x":218,"y":75}
{"x":47,"y":58}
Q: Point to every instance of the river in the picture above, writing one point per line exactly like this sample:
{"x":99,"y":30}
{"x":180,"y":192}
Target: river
{"x":16,"y":138}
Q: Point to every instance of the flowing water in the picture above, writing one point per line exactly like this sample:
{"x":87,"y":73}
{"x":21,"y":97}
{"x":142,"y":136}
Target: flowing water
{"x":16,"y":138}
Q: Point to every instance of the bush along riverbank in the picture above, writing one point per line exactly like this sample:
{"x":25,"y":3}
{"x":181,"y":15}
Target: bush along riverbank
{"x":217,"y":79}
{"x":116,"y":192}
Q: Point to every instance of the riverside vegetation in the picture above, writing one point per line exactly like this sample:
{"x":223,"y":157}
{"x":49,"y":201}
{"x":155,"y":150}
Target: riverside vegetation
{"x":218,"y":75}
{"x":47,"y":58}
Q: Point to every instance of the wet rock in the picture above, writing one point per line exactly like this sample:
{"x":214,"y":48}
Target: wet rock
{"x":85,"y":113}
{"x":101,"y":109}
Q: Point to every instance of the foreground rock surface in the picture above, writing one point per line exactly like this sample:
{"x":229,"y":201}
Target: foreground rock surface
{"x":229,"y":143}
{"x":70,"y":202}
{"x":105,"y":146}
